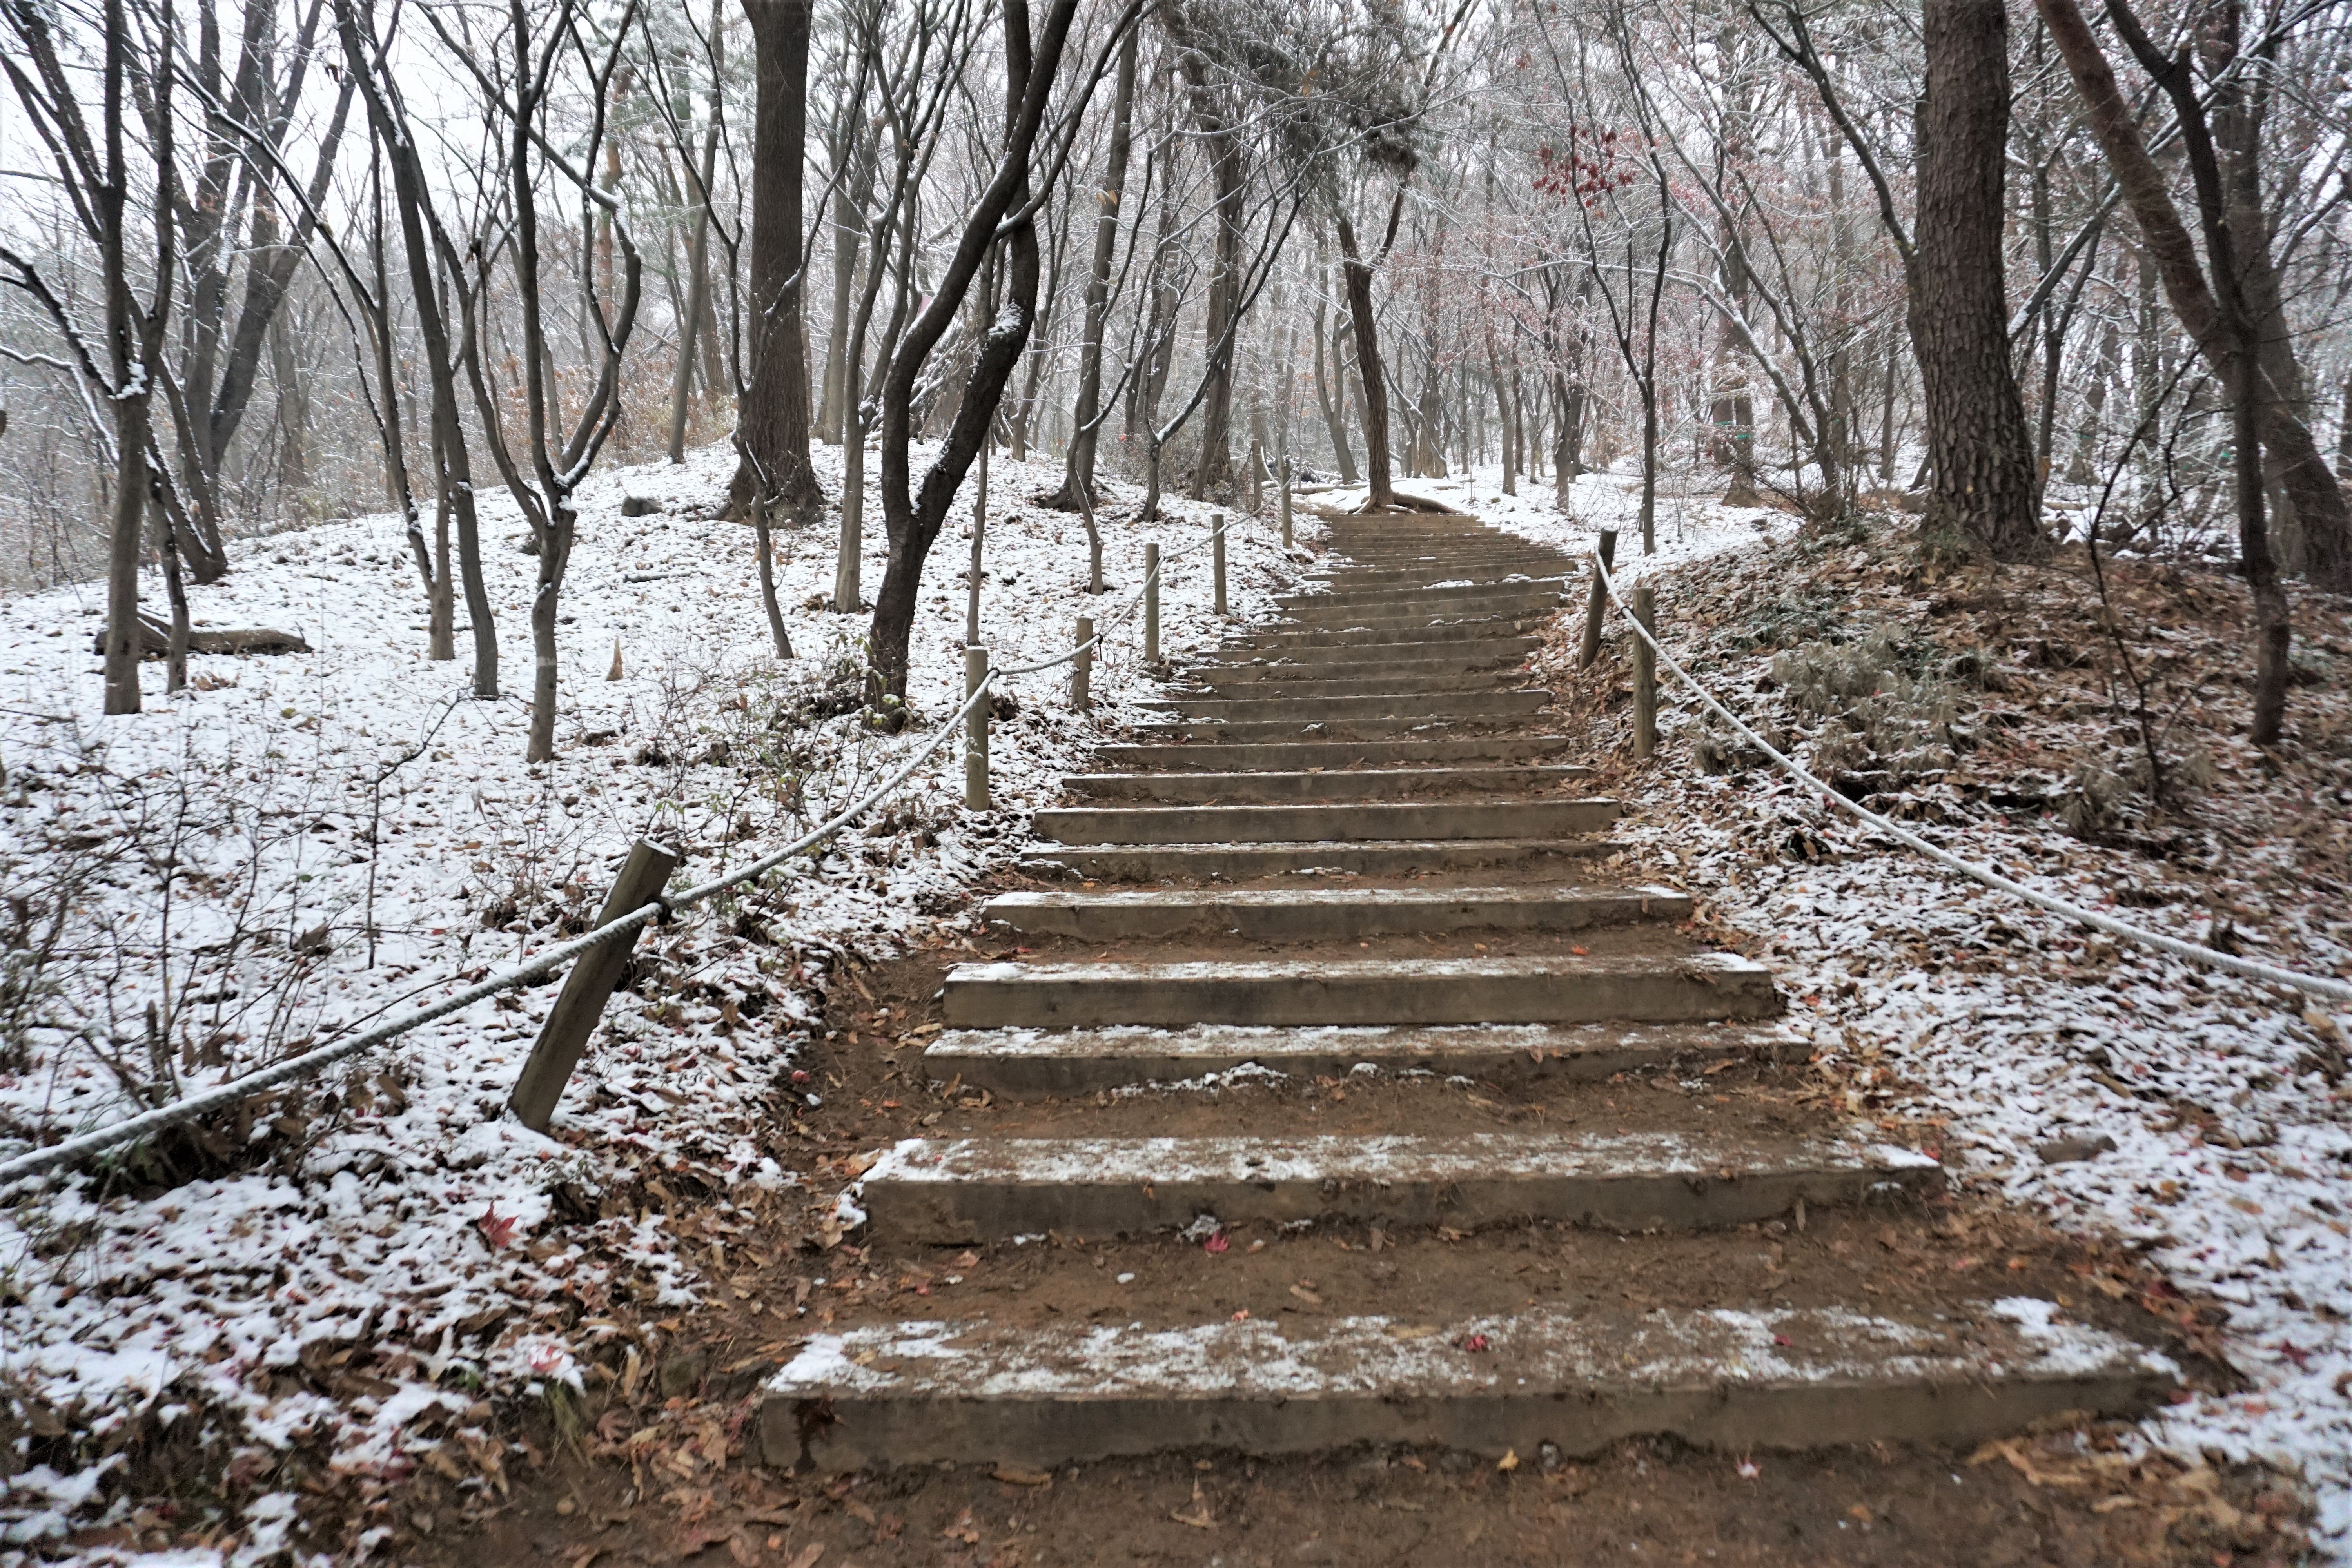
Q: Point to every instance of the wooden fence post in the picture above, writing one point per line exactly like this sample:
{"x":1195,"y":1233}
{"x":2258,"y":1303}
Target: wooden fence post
{"x":565,"y":1036}
{"x":975,"y":732}
{"x":1286,"y":506}
{"x":1151,"y":603}
{"x":1645,"y":674}
{"x":1082,"y":669}
{"x":1593,"y":608}
{"x":1217,"y":550}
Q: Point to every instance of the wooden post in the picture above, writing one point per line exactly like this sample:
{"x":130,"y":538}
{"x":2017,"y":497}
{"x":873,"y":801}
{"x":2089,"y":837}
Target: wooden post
{"x":1217,"y":550}
{"x":565,"y":1036}
{"x":975,"y":732}
{"x":1590,"y":647}
{"x":1645,"y":674}
{"x":1151,"y":603}
{"x":1286,"y":506}
{"x":1082,"y":669}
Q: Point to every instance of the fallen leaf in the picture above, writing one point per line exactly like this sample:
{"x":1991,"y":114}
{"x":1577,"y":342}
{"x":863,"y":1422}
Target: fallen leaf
{"x":497,"y":1229}
{"x":1508,"y":1462}
{"x":1216,"y":1243}
{"x":1304,"y":1294}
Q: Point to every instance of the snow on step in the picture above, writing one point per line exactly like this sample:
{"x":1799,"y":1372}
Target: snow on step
{"x":972,"y":1393}
{"x":1322,"y":824}
{"x":1295,"y":756}
{"x":1687,"y":989}
{"x":943,"y":1191}
{"x":1394,"y":858}
{"x":1347,"y":784}
{"x":1034,"y":1063}
{"x":1300,"y":914}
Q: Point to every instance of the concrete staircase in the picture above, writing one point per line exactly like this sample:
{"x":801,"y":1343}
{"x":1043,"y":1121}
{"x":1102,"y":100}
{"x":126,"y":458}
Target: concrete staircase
{"x":1354,"y":851}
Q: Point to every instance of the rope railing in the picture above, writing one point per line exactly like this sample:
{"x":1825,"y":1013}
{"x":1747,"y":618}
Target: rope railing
{"x":131,"y":1129}
{"x":2192,"y":953}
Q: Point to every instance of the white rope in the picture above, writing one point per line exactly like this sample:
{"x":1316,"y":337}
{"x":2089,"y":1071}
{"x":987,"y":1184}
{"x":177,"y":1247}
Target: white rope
{"x":35,"y":1161}
{"x":2212,"y":958}
{"x":220,"y":1096}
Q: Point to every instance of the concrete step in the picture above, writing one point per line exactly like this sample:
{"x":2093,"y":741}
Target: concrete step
{"x":1299,"y":755}
{"x":1243,"y":862}
{"x":1427,"y":627}
{"x":1501,"y":678}
{"x":1443,"y":590}
{"x":1176,"y":730}
{"x":1317,"y":915}
{"x":1479,"y":569}
{"x":1453,"y":704}
{"x":969,"y":1392}
{"x":1344,"y":783}
{"x":1290,"y":641}
{"x":1366,"y":661}
{"x":956,"y":1191}
{"x":1351,"y":609}
{"x":1323,"y":824}
{"x":1036,"y":1064}
{"x":1639,"y":988}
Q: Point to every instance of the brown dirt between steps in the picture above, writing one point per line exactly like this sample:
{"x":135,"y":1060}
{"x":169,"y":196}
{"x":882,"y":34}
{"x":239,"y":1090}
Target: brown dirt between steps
{"x":669,"y":1481}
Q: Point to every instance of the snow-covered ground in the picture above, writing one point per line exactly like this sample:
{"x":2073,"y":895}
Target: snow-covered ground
{"x":304,"y":842}
{"x":1934,"y":1000}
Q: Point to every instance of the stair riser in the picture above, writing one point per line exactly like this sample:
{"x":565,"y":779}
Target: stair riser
{"x":1416,"y":594}
{"x":1425,"y":705}
{"x":942,"y":1214}
{"x":1331,"y":610}
{"x":1271,"y":642}
{"x":1400,"y":998}
{"x":1218,"y":825}
{"x":1434,"y":626}
{"x":1403,"y":728}
{"x":1301,"y":754}
{"x":1350,"y":663}
{"x":1035,"y":1077}
{"x":1503,"y":678}
{"x":1243,"y":862}
{"x":1277,"y":788}
{"x":1320,"y":921}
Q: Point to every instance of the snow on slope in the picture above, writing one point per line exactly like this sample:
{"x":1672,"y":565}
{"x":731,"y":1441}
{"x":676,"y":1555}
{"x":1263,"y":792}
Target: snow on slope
{"x":2015,"y":1030}
{"x":385,"y":1272}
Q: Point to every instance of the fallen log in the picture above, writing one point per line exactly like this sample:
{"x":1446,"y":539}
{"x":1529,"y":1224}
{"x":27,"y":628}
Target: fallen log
{"x":155,"y":640}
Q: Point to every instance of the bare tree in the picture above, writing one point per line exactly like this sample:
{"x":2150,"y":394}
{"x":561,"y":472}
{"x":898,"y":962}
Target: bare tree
{"x":122,"y":362}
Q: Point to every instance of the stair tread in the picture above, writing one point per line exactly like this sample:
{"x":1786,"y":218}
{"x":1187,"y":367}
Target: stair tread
{"x":1710,"y":966}
{"x":967,"y":1390}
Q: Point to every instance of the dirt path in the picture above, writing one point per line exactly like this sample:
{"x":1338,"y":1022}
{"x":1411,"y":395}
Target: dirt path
{"x":1581,"y":1162}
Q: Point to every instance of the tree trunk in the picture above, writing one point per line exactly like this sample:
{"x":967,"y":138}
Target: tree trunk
{"x":774,"y":430}
{"x":697,"y":269}
{"x":1077,"y":489}
{"x":1371,"y":385}
{"x":1985,"y":496}
{"x":1334,"y":408}
{"x":1216,"y":467}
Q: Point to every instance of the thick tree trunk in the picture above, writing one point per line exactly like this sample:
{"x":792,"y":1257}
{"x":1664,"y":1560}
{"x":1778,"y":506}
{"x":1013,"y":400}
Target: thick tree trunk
{"x":1215,"y":466}
{"x":697,"y":286}
{"x":774,"y":429}
{"x":1334,"y":400}
{"x":1371,"y":385}
{"x":1077,"y":491}
{"x":1985,"y":495}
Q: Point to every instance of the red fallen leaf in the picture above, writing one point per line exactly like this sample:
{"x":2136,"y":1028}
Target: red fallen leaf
{"x":1782,"y":1339}
{"x":1216,"y":1243}
{"x":2295,"y":1353}
{"x":1933,"y":1151}
{"x":1473,"y":1343}
{"x":1581,"y":951}
{"x":497,"y":1229}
